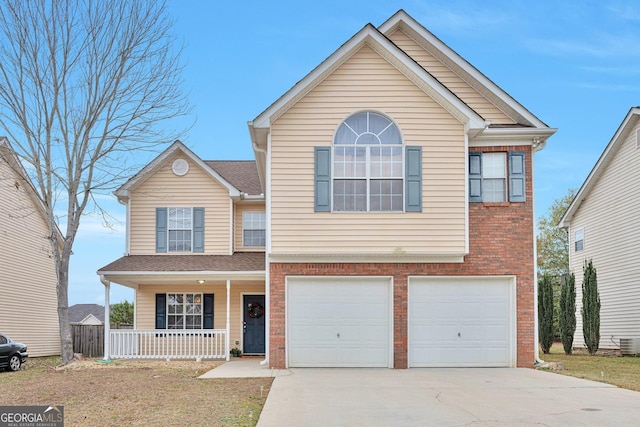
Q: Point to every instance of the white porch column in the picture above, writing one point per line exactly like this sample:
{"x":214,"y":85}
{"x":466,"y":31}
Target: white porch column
{"x":107,"y":316}
{"x":228,"y":338}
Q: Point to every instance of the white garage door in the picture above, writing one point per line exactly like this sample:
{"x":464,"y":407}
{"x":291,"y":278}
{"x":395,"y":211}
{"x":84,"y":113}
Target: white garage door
{"x":461,"y":322}
{"x":338,"y":322}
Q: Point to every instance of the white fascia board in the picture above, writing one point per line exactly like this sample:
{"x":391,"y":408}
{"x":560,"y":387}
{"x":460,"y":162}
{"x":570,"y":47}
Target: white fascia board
{"x":512,"y":136}
{"x":479,"y":81}
{"x":124,"y":191}
{"x":605,"y":158}
{"x":132,"y":279}
{"x":394,"y":55}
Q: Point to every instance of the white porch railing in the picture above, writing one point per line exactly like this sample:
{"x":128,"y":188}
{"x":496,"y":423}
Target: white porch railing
{"x":168,"y":344}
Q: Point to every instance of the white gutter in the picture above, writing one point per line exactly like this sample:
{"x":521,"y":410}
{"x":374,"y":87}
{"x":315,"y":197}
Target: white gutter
{"x":267,"y":279}
{"x":536,"y":349}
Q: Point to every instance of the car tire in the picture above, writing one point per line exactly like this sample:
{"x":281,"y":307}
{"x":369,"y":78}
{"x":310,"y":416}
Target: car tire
{"x":14,"y":363}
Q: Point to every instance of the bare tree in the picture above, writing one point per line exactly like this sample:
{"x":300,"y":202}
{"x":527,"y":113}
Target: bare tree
{"x":83,"y":83}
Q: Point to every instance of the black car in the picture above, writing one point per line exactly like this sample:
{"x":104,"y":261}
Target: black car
{"x":12,"y":354}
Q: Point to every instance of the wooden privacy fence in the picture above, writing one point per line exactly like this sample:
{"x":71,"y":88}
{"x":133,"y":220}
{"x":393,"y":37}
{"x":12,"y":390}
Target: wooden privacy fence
{"x":88,"y":340}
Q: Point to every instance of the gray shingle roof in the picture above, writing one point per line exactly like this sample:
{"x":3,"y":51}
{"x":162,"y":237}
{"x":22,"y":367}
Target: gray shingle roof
{"x":78,"y":312}
{"x":242,"y":174}
{"x":240,"y":261}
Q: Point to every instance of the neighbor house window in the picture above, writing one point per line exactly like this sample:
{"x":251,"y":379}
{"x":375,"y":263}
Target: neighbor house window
{"x":253,"y":229}
{"x":184,"y":311}
{"x":496,"y":177}
{"x":179,"y":229}
{"x":579,"y":240}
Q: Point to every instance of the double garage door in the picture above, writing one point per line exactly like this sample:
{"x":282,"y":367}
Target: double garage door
{"x":348,"y":322}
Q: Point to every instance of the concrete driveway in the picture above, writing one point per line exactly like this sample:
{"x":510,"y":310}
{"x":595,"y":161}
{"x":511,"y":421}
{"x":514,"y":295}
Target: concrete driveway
{"x":444,"y":397}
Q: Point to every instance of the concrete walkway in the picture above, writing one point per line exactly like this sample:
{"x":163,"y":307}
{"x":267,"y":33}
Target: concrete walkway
{"x":244,"y":367}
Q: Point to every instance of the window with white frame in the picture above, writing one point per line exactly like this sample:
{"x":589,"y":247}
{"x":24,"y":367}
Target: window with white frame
{"x":253,"y":229}
{"x":368,"y":164}
{"x":497,"y":176}
{"x":184,"y":311}
{"x":579,"y":240}
{"x":494,"y":177}
{"x":180,"y":226}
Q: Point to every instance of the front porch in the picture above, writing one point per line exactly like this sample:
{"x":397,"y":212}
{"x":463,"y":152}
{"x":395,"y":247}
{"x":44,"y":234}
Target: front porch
{"x":202,"y":311}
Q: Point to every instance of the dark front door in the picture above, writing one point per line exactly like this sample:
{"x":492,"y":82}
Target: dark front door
{"x":253,"y":325}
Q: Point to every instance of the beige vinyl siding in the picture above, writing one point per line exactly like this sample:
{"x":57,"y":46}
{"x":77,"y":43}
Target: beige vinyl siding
{"x":609,"y":217}
{"x":146,"y":303}
{"x":367,"y":82}
{"x":28,"y":304}
{"x":450,"y":79}
{"x":237,"y":228}
{"x":195,"y":189}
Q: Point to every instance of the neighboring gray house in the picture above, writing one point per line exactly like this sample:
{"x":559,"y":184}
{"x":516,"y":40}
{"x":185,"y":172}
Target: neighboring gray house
{"x":604,"y":226}
{"x":86,"y":314}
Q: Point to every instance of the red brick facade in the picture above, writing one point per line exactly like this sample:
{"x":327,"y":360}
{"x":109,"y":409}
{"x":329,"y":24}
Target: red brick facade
{"x":500,"y":243}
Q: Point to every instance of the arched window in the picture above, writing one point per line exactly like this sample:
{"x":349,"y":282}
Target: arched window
{"x":368,"y":164}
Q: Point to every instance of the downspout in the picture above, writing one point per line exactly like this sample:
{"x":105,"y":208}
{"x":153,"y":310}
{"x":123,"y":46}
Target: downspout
{"x":228,"y":338}
{"x":107,"y":316}
{"x":536,"y":146}
{"x":267,"y":283}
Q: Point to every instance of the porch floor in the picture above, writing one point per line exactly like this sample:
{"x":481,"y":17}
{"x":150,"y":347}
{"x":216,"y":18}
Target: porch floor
{"x":244,"y":367}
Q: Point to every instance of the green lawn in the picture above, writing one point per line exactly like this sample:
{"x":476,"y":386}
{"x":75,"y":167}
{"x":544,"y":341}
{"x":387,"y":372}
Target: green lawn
{"x":620,"y":371}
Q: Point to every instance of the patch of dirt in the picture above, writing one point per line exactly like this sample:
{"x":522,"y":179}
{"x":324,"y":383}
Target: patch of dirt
{"x":138,"y":393}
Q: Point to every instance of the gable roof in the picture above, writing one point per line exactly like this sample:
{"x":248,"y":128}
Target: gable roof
{"x":470,"y":74}
{"x":529,"y":126}
{"x":79,"y":312}
{"x":125,"y":189}
{"x":630,"y":121}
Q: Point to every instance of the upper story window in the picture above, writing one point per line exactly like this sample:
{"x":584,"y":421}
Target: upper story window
{"x":579,"y":240}
{"x":179,"y":229}
{"x":180,"y":220}
{"x":368,"y":164}
{"x":495,"y":176}
{"x":253,"y":229}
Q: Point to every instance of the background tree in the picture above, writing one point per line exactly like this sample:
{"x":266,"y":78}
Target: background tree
{"x":82,"y":84}
{"x":568,"y":312}
{"x":590,"y":308}
{"x":553,"y":249}
{"x":122,"y":313}
{"x":545,"y":312}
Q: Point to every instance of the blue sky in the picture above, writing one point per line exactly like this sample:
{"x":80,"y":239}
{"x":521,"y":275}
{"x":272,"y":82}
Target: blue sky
{"x":574,"y":64}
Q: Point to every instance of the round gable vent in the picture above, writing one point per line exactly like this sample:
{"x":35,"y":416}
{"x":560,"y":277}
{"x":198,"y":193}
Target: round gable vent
{"x":180,"y":167}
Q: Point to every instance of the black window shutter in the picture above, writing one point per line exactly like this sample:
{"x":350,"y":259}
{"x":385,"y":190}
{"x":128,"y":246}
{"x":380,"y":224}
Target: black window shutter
{"x":322,"y":176}
{"x":475,"y":177}
{"x":413,"y":179}
{"x":207,"y":311}
{"x":161,"y":311}
{"x":517,"y":184}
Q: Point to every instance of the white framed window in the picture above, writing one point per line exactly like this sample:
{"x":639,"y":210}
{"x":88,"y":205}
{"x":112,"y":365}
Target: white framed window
{"x":368,"y":164}
{"x":180,"y":229}
{"x":578,"y":238}
{"x":494,"y":177}
{"x":253,"y":229}
{"x":184,"y":311}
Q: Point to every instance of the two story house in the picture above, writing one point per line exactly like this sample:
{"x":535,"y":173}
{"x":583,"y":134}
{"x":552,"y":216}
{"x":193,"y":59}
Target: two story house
{"x":29,"y":303}
{"x":394,"y":187}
